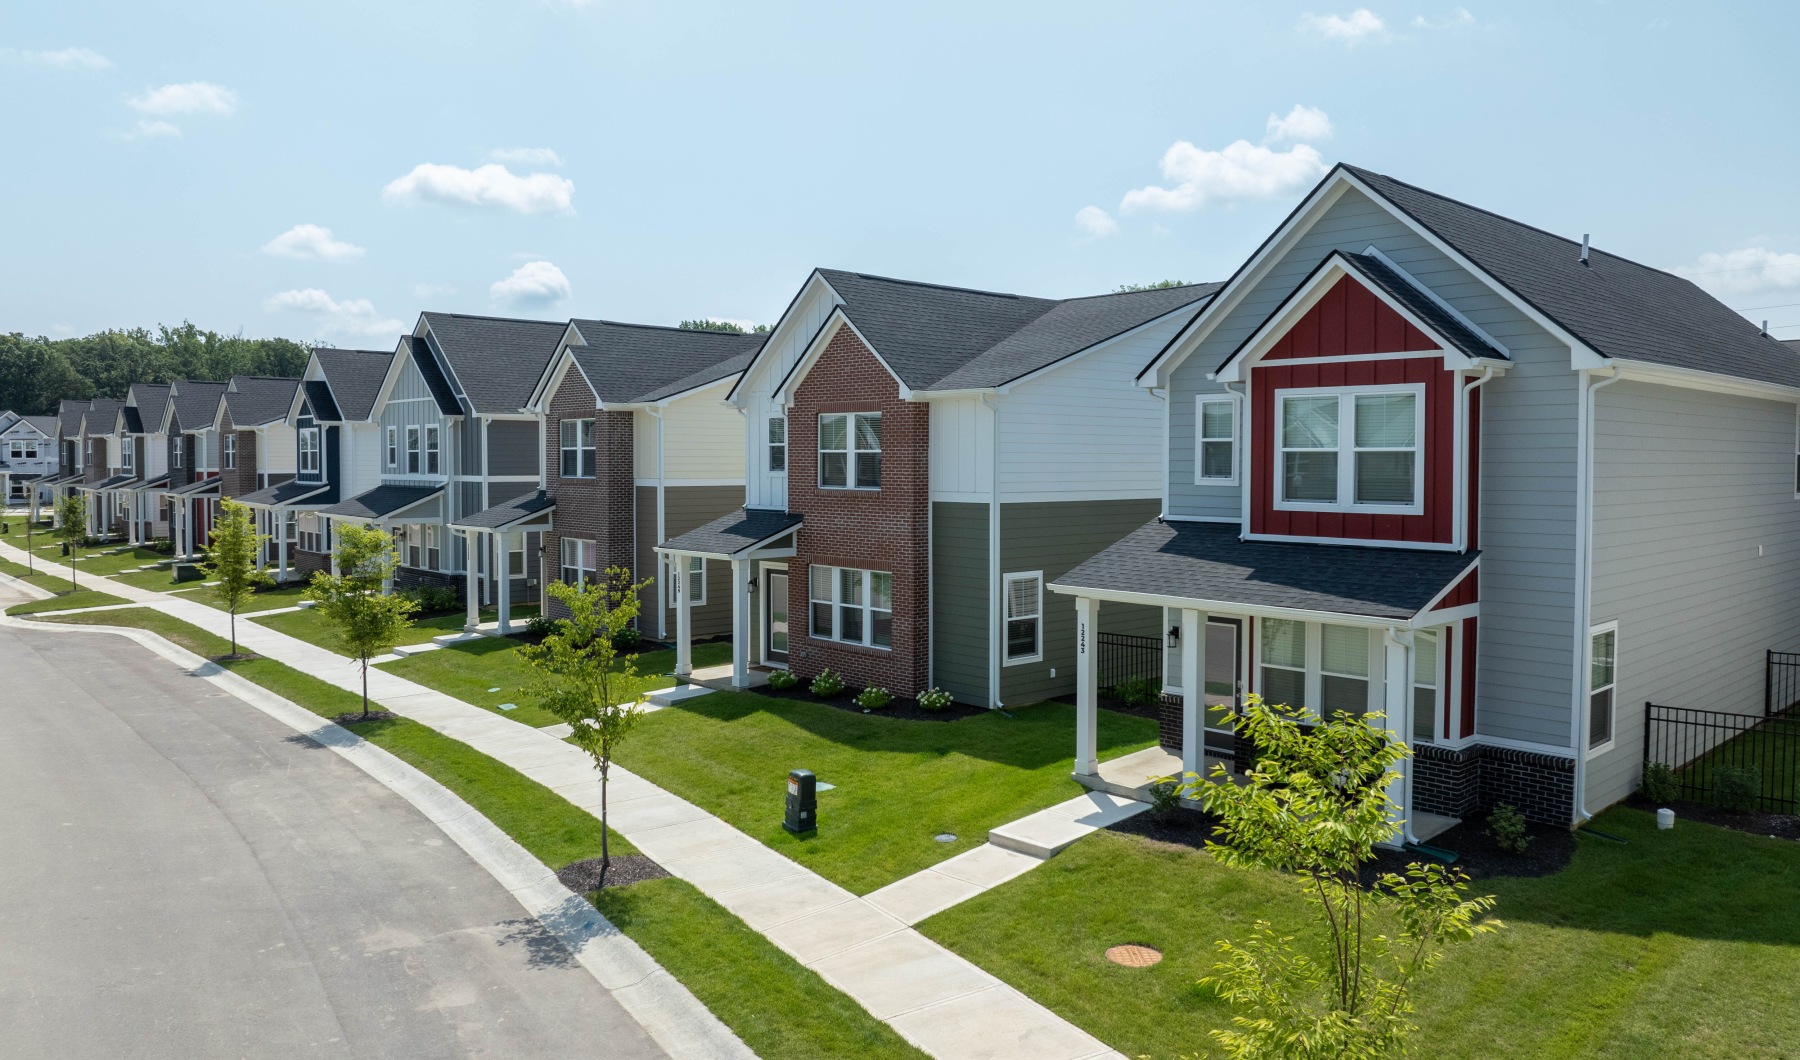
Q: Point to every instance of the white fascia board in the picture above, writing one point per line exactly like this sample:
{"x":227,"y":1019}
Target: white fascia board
{"x":1456,"y":314}
{"x":1227,"y":607}
{"x":783,"y":326}
{"x":1693,"y":379}
{"x":783,"y":395}
{"x":690,"y":392}
{"x":1084,"y":352}
{"x":402,"y":353}
{"x":1451,"y":584}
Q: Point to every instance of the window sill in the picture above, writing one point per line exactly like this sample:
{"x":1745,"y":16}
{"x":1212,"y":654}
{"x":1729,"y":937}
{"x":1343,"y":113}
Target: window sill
{"x":850,"y":645}
{"x":1024,"y":660}
{"x":1417,"y":508}
{"x":1596,"y":752}
{"x":850,"y":489}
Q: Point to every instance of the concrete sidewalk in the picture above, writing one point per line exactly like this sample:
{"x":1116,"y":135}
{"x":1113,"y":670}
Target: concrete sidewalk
{"x":934,"y":998}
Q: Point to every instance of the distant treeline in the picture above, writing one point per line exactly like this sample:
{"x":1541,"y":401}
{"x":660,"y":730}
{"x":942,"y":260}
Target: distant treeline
{"x":36,"y":373}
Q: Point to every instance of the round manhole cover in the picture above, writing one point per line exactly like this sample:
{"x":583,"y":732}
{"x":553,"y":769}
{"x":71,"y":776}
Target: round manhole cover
{"x":945,"y":837}
{"x":1133,"y":955}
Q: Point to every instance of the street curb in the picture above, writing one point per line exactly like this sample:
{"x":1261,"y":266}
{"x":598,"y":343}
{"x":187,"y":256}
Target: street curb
{"x":666,"y":1009}
{"x":33,"y":591}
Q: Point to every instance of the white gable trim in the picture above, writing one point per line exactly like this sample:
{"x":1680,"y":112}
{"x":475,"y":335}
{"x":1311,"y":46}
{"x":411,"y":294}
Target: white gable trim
{"x":551,"y":380}
{"x":783,"y":394}
{"x":783,"y":328}
{"x":1084,"y":352}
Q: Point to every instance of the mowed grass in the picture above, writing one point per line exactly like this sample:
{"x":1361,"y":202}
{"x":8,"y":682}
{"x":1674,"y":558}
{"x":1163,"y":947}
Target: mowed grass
{"x":311,"y":627}
{"x":105,"y":560}
{"x":899,"y":783}
{"x":468,"y":671}
{"x":1682,"y":943}
{"x":776,"y":1005}
{"x":65,"y":598}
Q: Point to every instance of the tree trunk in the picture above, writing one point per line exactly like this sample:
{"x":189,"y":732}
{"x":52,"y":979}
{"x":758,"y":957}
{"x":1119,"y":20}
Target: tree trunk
{"x":234,"y":632}
{"x":605,"y":853}
{"x":365,"y":690}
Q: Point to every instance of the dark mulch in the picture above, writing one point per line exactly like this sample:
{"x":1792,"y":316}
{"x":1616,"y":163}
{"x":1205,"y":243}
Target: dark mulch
{"x":1776,"y":825}
{"x":905,"y":709}
{"x":356,"y":716}
{"x":583,"y":877}
{"x":240,"y":657}
{"x":1182,"y":828}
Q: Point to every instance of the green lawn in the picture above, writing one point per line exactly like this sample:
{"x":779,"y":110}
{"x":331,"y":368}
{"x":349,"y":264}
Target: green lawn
{"x":468,"y":670}
{"x":1682,"y":943}
{"x":309,"y":626}
{"x":1771,"y":749}
{"x":778,"y":1007}
{"x":263,"y":600}
{"x":105,"y":561}
{"x":66,"y":600}
{"x":898,"y":783}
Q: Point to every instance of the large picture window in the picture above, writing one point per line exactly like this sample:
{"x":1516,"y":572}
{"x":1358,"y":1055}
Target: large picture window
{"x":1215,"y":446}
{"x":578,"y":561}
{"x":309,"y":451}
{"x":1024,"y":595}
{"x":1603,"y":643}
{"x":850,"y":450}
{"x":1351,"y":449}
{"x":577,"y":440}
{"x":852,"y":606}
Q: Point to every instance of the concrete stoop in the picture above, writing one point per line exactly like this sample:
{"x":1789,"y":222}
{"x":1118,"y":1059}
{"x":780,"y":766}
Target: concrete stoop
{"x":404,"y":651}
{"x":665,"y":697}
{"x":1047,"y":833}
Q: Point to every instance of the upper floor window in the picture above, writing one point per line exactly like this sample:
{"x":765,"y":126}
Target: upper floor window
{"x":1215,"y":446}
{"x":393,"y":447}
{"x":1603,"y":643}
{"x":777,"y":443}
{"x":1350,"y":448}
{"x":853,"y":606}
{"x":229,"y":452}
{"x":127,"y":456}
{"x":309,"y":451}
{"x":850,"y":450}
{"x":178,"y":447}
{"x":577,"y":448}
{"x":431,"y":449}
{"x":412,"y":450}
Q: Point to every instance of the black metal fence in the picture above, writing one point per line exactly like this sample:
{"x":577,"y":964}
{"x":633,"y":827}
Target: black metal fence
{"x":1704,"y":746}
{"x":1126,"y":658}
{"x":1781,"y":683}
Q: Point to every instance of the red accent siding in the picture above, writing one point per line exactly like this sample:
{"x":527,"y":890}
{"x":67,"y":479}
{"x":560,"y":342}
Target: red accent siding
{"x":1466,"y":591}
{"x":1468,"y":677}
{"x":1349,"y":319}
{"x":1434,"y":526}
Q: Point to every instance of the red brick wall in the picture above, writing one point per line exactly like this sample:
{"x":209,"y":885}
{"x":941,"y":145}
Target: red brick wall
{"x":882,"y":530}
{"x":599,"y":508}
{"x":240,"y":480}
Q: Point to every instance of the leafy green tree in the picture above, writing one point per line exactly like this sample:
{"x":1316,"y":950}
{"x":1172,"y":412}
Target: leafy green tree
{"x":364,"y":621}
{"x":579,"y":677}
{"x":708,"y":324}
{"x":1160,"y":285}
{"x":71,"y":526}
{"x":231,"y":561}
{"x":1314,"y":807}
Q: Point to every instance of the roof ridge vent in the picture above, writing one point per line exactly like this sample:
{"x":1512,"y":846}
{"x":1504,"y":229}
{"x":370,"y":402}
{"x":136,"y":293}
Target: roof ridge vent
{"x":1584,"y":248}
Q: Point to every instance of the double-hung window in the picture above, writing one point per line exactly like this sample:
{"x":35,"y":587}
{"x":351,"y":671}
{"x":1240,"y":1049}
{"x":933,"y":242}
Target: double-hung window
{"x":1024,"y":595}
{"x":850,"y":450}
{"x":777,"y":443}
{"x":128,"y":455}
{"x":309,"y":533}
{"x":578,"y":560}
{"x":227,"y":451}
{"x":309,"y":450}
{"x":179,"y":446}
{"x":1215,"y":445}
{"x":515,"y":557}
{"x":1426,"y":682}
{"x":431,"y":449}
{"x":409,"y":543}
{"x":393,"y":447}
{"x":1343,"y":671}
{"x":694,"y":580}
{"x":432,"y":553}
{"x":852,"y":606}
{"x":1283,"y":678}
{"x":1603,"y":643}
{"x":1351,"y":449}
{"x":577,"y":448}
{"x":412,"y":450}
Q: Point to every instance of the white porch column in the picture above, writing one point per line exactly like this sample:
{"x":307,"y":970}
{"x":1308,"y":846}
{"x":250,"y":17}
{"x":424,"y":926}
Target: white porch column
{"x":1193,"y":692}
{"x":740,"y":623}
{"x":471,"y":585}
{"x":283,"y":520}
{"x":502,"y":569}
{"x":1087,"y":687}
{"x":684,"y":615}
{"x":1397,"y":679}
{"x":387,"y":583}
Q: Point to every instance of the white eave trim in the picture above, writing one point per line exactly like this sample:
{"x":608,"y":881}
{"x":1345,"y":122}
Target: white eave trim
{"x":1229,"y":607}
{"x":783,"y":393}
{"x":1694,"y":379}
{"x":778,"y":334}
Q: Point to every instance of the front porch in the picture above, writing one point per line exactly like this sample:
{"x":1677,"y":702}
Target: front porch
{"x":757,"y":544}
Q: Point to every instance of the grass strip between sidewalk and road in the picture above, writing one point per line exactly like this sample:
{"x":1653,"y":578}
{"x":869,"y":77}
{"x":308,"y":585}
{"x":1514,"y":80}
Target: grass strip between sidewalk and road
{"x":776,"y":1005}
{"x":65,"y":598}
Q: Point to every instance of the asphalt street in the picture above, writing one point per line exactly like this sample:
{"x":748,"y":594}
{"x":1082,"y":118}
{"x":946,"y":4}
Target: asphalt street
{"x":182,"y":876}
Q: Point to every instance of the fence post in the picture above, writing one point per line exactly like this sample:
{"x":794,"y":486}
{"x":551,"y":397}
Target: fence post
{"x":1768,"y":682}
{"x":1648,"y":709}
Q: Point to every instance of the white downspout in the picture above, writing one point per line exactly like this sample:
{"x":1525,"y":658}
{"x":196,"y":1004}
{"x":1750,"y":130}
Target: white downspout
{"x":1243,"y":454}
{"x":1584,"y":575}
{"x":1470,"y":484}
{"x":996,"y":622}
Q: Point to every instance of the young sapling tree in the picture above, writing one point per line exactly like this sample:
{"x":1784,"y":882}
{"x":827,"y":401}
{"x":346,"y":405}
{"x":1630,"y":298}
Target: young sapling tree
{"x":231,"y":560}
{"x":71,"y":526}
{"x":365,"y":621}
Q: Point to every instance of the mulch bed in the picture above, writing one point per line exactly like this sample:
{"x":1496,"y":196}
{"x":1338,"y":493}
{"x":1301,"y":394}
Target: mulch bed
{"x":583,"y":877}
{"x":239,"y":657}
{"x":356,"y":716}
{"x":905,"y":709}
{"x":1774,"y":825}
{"x":1183,"y":828}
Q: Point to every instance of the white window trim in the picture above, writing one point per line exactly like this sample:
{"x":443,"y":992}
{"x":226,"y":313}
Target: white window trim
{"x":1797,"y":452}
{"x":582,"y":574}
{"x":393,"y":447}
{"x":1346,"y":450}
{"x":850,"y":451}
{"x":1439,"y":673}
{"x":586,"y":456}
{"x":1587,"y":681}
{"x":837,"y":605}
{"x":696,"y":568}
{"x":128,"y":456}
{"x":1308,"y":669}
{"x":1006,"y":583}
{"x":774,"y":445}
{"x":1200,"y":403}
{"x":228,"y":452}
{"x":1316,"y":630}
{"x":433,"y":453}
{"x":316,"y":450}
{"x":415,"y":454}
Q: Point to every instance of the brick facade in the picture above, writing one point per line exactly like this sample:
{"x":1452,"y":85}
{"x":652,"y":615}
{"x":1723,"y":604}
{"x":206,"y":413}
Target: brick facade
{"x":1471,"y":780}
{"x":184,"y":474}
{"x":242,"y":479}
{"x":308,"y":563}
{"x":598,"y":509}
{"x":880,"y":530}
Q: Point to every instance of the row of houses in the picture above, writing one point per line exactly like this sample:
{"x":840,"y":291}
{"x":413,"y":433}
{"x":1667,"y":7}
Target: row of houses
{"x":1411,"y":457}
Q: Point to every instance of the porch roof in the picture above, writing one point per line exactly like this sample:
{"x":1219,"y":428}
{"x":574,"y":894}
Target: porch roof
{"x":289,"y":492}
{"x":197,"y":487}
{"x":1207,"y":564}
{"x":112,"y":483}
{"x":733,"y":535}
{"x":509,"y":514}
{"x":154,"y":482}
{"x":383,"y":501}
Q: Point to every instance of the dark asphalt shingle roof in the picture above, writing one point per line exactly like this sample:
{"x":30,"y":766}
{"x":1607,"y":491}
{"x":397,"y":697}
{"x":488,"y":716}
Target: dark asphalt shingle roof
{"x":381,"y":501}
{"x":199,"y":485}
{"x":496,"y":360}
{"x":355,"y":378}
{"x":112,"y":483}
{"x":1207,"y":562}
{"x":506,"y":513}
{"x":1441,"y":321}
{"x":628,"y":363}
{"x":8,"y":418}
{"x":103,"y":415}
{"x":318,"y":398}
{"x":435,"y":380}
{"x":196,"y":403}
{"x":154,"y":481}
{"x":46,"y":425}
{"x":255,"y":400}
{"x":69,"y":413}
{"x":731,"y":534}
{"x":133,"y":419}
{"x":152,"y":401}
{"x":1617,"y":307}
{"x":284,"y":493}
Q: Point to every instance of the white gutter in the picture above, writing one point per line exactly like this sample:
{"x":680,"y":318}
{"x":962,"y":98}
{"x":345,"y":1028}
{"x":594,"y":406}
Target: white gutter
{"x":1470,"y":485}
{"x":1245,"y":464}
{"x":996,"y":622}
{"x":1584,"y":577}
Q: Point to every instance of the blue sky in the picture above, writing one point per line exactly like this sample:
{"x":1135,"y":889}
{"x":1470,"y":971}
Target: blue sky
{"x":325,"y":171}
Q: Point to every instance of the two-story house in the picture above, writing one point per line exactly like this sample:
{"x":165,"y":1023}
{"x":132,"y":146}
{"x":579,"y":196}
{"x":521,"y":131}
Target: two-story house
{"x":1500,"y":487}
{"x":192,"y":496}
{"x":333,"y":437}
{"x":257,"y":449}
{"x":139,"y":499}
{"x":69,"y":472}
{"x":920,"y":460}
{"x":106,"y":464}
{"x":454,"y":439}
{"x":639,"y":446}
{"x":27,"y":457}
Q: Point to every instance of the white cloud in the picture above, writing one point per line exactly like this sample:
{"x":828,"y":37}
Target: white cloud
{"x":153,"y":130}
{"x":1461,"y":18}
{"x":1301,"y":125}
{"x":192,"y":97}
{"x":311,"y":243}
{"x":526,"y":156}
{"x":535,"y":283}
{"x":1351,"y":29}
{"x":1095,"y":223}
{"x":61,"y":58}
{"x":489,"y":185}
{"x":1745,"y":273}
{"x":432,"y":290}
{"x":352,"y":316}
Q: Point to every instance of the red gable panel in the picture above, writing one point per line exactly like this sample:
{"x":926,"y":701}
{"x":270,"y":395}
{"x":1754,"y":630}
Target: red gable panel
{"x":1349,"y":320}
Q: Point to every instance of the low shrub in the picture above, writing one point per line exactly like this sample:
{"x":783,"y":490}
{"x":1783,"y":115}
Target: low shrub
{"x":431,"y":597}
{"x":540,"y":626}
{"x":628,"y":640}
{"x":1660,"y":784}
{"x":936,"y":699}
{"x":827,"y":684}
{"x":1737,"y":788}
{"x":1165,"y":798}
{"x":874,"y":697}
{"x":1139,"y":692}
{"x":781,"y":680}
{"x":1506,"y":827}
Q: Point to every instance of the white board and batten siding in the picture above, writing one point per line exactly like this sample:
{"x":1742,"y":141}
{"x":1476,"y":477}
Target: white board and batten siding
{"x":278,"y":450}
{"x":361,"y":458}
{"x":704,"y":439}
{"x":962,"y":450}
{"x":1529,"y":458}
{"x":764,"y":488}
